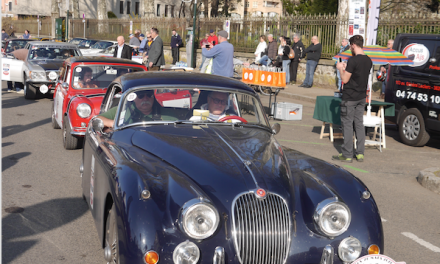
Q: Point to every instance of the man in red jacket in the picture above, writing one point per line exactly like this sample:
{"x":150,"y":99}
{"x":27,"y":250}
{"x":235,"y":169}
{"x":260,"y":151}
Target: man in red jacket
{"x":212,"y":38}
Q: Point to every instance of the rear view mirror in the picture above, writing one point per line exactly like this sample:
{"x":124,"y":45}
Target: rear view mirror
{"x":97,"y":124}
{"x":276,"y":128}
{"x":65,"y":85}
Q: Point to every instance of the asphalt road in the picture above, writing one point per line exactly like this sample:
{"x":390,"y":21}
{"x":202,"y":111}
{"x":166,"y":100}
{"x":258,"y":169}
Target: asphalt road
{"x":45,"y":220}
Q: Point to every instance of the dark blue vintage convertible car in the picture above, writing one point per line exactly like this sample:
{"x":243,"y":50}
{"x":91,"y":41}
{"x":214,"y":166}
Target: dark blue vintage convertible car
{"x":200,"y":178}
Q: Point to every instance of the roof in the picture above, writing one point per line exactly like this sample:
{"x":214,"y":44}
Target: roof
{"x":172,"y":78}
{"x":50,"y":43}
{"x":100,"y":60}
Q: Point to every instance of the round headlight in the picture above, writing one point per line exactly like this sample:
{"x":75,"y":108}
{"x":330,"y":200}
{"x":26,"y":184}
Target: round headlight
{"x":332,"y":217}
{"x":186,"y":252}
{"x":349,"y":249}
{"x":199,"y":219}
{"x":84,"y":110}
{"x":53,"y":75}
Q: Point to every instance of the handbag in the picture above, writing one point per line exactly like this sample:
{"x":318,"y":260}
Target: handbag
{"x":291,"y":54}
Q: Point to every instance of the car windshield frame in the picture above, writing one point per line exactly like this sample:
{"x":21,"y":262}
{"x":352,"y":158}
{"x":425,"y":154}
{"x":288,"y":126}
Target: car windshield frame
{"x":33,"y":50}
{"x":92,"y":65}
{"x":262,"y":116}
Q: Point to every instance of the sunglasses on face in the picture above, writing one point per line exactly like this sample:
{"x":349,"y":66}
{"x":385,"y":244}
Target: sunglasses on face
{"x":218,"y":101}
{"x":141,"y":95}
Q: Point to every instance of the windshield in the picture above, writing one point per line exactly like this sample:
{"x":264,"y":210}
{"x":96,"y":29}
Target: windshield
{"x":109,"y":50}
{"x":51,"y":53}
{"x":99,"y":76}
{"x":102,"y":45}
{"x":189,"y":105}
{"x":15,"y":45}
{"x":75,"y":41}
{"x":86,"y":43}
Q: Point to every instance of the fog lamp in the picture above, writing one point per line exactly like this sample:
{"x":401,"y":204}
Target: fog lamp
{"x":44,"y":89}
{"x":151,"y":257}
{"x":349,"y":249}
{"x":186,"y":253}
{"x":373,"y":249}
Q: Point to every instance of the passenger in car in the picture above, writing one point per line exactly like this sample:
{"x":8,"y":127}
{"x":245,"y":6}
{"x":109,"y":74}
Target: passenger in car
{"x":86,"y":78}
{"x":218,"y":106}
{"x":143,"y":108}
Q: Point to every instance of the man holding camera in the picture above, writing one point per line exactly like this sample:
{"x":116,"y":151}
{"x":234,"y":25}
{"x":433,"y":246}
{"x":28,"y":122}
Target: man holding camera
{"x":222,"y":55}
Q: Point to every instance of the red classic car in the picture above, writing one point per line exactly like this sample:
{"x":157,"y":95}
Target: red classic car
{"x":78,"y":95}
{"x":174,"y":98}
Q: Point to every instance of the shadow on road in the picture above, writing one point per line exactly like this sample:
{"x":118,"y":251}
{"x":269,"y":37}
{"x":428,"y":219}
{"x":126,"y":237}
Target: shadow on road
{"x":11,"y":160}
{"x":16,"y":102}
{"x":11,"y":130}
{"x":34,"y":220}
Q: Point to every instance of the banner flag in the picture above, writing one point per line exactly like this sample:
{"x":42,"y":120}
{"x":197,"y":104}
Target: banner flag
{"x":373,"y":21}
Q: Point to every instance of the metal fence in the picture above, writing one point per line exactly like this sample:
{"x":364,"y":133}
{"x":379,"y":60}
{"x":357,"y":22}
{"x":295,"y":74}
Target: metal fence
{"x":244,"y":33}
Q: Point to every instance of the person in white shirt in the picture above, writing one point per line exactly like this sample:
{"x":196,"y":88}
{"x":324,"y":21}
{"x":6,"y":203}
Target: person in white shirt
{"x":218,"y":104}
{"x":262,"y":46}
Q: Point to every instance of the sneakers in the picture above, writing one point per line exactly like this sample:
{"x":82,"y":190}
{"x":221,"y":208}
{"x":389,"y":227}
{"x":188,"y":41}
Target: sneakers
{"x":340,"y":157}
{"x":360,"y":157}
{"x":21,"y":91}
{"x":10,"y":91}
{"x":302,"y":85}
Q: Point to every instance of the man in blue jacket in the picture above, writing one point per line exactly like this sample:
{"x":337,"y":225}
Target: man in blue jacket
{"x":222,"y":56}
{"x":176,"y":43}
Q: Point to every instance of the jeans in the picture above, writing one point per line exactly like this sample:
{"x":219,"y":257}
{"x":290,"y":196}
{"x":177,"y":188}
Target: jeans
{"x":383,"y":87}
{"x":265,"y":60}
{"x":339,"y":79}
{"x":286,"y":64}
{"x":310,"y":71}
{"x":201,"y":64}
{"x":354,"y":115}
{"x":18,"y":86}
{"x":175,"y":54}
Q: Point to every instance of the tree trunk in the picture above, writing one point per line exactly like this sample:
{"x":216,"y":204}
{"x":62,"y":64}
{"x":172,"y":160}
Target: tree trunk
{"x":342,"y":22}
{"x":102,"y":15}
{"x":55,"y":13}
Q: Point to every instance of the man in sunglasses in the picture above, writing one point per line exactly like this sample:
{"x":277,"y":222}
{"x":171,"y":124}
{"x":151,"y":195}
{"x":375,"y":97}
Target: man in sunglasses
{"x":142,"y":108}
{"x":218,"y":104}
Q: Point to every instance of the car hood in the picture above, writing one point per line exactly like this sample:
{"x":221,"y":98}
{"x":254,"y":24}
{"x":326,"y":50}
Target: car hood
{"x":46,"y":65}
{"x":223,"y":161}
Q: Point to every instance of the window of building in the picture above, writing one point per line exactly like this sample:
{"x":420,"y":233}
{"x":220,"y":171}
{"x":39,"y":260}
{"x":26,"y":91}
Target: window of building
{"x":136,"y":8}
{"x":166,"y":10}
{"x":158,"y":10}
{"x":255,"y":4}
{"x":270,"y":4}
{"x":121,"y":7}
{"x":128,"y":7}
{"x":247,"y":3}
{"x":172,"y":11}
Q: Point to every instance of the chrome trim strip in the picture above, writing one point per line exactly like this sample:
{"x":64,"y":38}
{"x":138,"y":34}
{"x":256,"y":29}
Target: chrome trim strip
{"x":327,"y":255}
{"x":78,"y":133}
{"x":219,"y":256}
{"x":245,"y":162}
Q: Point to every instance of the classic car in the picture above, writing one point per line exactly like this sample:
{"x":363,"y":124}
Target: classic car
{"x":98,"y":47}
{"x":39,"y":71}
{"x":164,"y":189}
{"x":76,"y":41}
{"x":76,"y":101}
{"x":13,"y":44}
{"x":109,"y":51}
{"x":87,"y":43}
{"x":174,"y":97}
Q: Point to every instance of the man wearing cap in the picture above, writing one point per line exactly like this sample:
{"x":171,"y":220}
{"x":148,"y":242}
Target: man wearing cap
{"x":176,"y":43}
{"x":122,"y":51}
{"x":222,"y":55}
{"x":134,"y":41}
{"x":213,"y":38}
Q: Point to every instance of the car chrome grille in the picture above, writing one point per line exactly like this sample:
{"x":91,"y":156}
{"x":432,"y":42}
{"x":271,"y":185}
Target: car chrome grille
{"x":261,"y":229}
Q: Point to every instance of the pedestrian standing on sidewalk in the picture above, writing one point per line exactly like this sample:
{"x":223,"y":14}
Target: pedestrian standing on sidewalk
{"x":261,"y":48}
{"x":5,"y":35}
{"x":212,"y":38}
{"x":285,"y":42}
{"x":156,"y":57}
{"x":26,"y":35}
{"x":203,"y":43}
{"x":354,"y":74}
{"x":298,"y":48}
{"x":313,"y":55}
{"x":122,"y":50}
{"x":176,"y":43}
{"x":344,"y":47}
{"x":271,"y":51}
{"x":222,"y":56}
{"x":134,"y":41}
{"x":384,"y":69}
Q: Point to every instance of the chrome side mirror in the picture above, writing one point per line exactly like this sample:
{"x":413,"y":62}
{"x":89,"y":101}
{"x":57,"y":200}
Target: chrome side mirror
{"x":97,"y":124}
{"x":276,"y":128}
{"x":65,"y":85}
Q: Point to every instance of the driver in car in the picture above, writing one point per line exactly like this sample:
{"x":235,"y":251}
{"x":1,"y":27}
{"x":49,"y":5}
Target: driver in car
{"x":86,"y":78}
{"x":218,"y":104}
{"x":143,"y":108}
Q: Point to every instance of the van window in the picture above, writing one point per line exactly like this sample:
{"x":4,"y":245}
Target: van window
{"x":435,"y":66}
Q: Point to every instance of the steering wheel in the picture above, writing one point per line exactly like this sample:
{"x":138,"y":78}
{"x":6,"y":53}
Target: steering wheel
{"x":226,"y":118}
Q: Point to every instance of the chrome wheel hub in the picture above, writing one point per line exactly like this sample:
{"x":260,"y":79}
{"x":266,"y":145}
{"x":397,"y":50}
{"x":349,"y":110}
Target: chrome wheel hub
{"x":411,"y":127}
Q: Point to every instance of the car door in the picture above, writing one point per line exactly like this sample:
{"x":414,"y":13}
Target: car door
{"x":12,"y":69}
{"x":60,"y":96}
{"x":433,"y":117}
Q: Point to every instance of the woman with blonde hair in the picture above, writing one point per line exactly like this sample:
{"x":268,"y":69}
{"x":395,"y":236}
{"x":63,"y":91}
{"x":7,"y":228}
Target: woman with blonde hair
{"x":261,"y":48}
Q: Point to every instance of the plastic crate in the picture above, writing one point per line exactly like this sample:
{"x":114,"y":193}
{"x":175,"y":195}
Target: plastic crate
{"x":287,"y":111}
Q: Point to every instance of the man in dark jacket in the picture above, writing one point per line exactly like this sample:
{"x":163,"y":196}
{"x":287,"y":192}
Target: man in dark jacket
{"x":298,"y":48}
{"x":176,"y":43}
{"x":122,"y":51}
{"x":156,"y":57}
{"x":313,"y":55}
{"x":272,"y":51}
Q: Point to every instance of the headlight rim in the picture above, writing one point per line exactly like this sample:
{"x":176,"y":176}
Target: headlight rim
{"x":78,"y":107}
{"x":187,"y":207}
{"x":345,"y":241}
{"x":320,"y":208}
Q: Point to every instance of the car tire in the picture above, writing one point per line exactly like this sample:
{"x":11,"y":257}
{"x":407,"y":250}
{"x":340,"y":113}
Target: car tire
{"x":30,"y":92}
{"x":54,"y":121}
{"x":412,"y":128}
{"x":111,"y":235}
{"x":69,"y":141}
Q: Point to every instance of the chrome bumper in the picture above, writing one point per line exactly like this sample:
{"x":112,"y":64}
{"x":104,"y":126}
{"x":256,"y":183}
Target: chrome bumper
{"x":219,"y":256}
{"x":327,"y":255}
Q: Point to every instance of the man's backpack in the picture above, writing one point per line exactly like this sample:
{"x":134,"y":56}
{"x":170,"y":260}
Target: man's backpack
{"x":291,"y":54}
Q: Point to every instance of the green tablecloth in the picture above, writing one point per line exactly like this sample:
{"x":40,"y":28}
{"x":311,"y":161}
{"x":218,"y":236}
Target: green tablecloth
{"x":327,"y":109}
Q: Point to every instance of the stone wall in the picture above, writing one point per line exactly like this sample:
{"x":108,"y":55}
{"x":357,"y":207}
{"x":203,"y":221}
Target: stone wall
{"x":325,"y":73}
